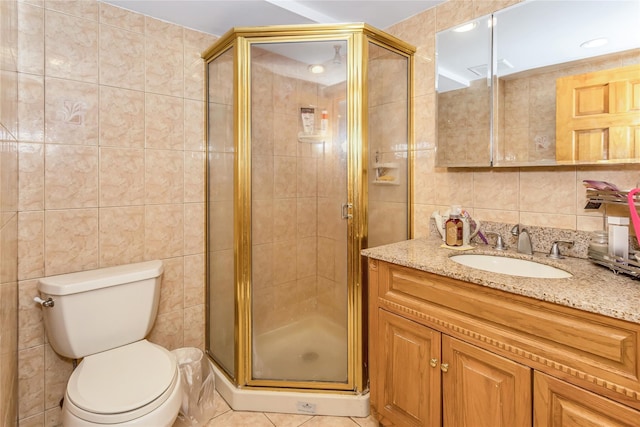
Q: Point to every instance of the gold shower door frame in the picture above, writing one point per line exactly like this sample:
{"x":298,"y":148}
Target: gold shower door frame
{"x":357,"y":36}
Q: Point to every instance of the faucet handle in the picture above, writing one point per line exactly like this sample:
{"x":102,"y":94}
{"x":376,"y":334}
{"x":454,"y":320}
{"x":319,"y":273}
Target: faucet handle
{"x":500,"y":245}
{"x":554,"y":252}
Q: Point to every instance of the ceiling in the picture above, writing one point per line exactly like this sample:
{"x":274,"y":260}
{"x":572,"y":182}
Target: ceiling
{"x":218,"y":16}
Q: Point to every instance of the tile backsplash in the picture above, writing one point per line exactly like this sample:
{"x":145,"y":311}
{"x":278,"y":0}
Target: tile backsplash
{"x":541,"y":238}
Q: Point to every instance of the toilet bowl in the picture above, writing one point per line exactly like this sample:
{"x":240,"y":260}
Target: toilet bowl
{"x":102,"y":317}
{"x":137,"y":384}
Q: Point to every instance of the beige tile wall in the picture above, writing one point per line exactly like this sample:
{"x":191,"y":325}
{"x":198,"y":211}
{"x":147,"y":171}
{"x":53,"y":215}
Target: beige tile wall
{"x":545,"y":197}
{"x":8,"y":214}
{"x":115,"y":99}
{"x":111,"y":169}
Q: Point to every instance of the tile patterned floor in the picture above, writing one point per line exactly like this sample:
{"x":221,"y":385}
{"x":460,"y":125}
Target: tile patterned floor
{"x":226,"y":417}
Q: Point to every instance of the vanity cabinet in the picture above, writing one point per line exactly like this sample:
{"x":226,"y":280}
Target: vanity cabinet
{"x":419,"y":368}
{"x":480,"y":388}
{"x":560,"y":404}
{"x":408,"y":391}
{"x":445,"y":352}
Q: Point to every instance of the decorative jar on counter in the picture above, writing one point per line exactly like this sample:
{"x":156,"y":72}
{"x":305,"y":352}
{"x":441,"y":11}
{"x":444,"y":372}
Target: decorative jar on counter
{"x":599,"y":242}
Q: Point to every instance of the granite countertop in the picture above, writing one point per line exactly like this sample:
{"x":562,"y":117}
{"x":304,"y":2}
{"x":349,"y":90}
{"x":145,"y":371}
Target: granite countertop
{"x":592,"y":288}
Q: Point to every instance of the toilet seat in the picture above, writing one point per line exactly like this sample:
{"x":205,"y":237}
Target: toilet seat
{"x":122,"y":384}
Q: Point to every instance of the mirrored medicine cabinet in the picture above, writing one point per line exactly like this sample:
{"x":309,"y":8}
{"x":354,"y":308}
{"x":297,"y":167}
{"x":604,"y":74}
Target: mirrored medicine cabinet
{"x":541,"y":83}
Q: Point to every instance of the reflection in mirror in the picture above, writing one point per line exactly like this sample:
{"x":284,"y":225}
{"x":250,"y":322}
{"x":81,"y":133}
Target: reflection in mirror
{"x":463,"y":87}
{"x":563,"y":98}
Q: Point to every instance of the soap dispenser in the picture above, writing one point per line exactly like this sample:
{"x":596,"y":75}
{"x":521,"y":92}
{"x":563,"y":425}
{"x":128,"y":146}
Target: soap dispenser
{"x":454,"y":227}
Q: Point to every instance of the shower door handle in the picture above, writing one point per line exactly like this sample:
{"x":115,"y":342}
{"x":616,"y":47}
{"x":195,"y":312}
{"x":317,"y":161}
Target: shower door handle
{"x":345,"y":210}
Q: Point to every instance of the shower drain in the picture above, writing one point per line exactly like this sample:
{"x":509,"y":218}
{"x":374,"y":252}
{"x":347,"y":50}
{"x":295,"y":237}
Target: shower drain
{"x":309,"y":356}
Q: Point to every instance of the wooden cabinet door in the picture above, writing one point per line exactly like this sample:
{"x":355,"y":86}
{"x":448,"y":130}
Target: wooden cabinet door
{"x":482,"y":389}
{"x":560,"y":404}
{"x":408,"y":372}
{"x":598,"y":115}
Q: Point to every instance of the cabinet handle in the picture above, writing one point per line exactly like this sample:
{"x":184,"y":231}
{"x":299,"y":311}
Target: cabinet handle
{"x":433,"y":363}
{"x":444,"y":367}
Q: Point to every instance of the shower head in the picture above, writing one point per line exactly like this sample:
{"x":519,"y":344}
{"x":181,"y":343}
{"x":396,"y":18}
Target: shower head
{"x":337,"y":59}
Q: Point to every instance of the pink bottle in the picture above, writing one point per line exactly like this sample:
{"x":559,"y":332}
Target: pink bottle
{"x":635,"y":219}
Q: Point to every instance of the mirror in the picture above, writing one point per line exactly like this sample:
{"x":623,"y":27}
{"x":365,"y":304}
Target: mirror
{"x":538,"y":101}
{"x":554,"y":99}
{"x":463,"y":87}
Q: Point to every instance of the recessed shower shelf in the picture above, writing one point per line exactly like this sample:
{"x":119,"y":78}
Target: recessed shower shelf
{"x":311,"y":138}
{"x":386,"y":174}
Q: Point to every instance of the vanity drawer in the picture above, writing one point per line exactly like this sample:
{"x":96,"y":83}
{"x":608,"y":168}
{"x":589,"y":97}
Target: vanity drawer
{"x":590,"y":350}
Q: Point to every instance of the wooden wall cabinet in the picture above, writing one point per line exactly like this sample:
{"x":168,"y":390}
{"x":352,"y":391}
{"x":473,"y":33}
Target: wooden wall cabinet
{"x":443,"y":352}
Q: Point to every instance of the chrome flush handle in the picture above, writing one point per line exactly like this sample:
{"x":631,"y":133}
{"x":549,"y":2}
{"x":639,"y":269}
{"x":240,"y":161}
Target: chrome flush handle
{"x":45,"y":303}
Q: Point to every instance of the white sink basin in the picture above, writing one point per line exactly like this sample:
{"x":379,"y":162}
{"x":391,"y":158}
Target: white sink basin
{"x":510,"y":266}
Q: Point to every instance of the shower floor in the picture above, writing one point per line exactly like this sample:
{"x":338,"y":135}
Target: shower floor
{"x":312,"y":349}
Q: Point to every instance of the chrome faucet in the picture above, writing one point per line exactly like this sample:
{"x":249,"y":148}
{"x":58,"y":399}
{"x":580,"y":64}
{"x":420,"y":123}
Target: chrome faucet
{"x":524,"y":240}
{"x":554,"y":252}
{"x":500,"y":245}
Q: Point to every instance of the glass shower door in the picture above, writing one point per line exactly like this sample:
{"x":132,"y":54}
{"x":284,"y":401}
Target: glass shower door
{"x":299,"y":296}
{"x":221,"y":212}
{"x":388,"y":131}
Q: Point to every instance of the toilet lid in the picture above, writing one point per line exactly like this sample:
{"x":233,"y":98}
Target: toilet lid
{"x":122,"y":379}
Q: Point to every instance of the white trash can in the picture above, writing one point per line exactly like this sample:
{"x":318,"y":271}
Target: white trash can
{"x":198,"y":387}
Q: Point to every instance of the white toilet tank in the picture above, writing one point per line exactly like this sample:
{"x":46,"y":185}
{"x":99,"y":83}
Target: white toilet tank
{"x":101,"y":309}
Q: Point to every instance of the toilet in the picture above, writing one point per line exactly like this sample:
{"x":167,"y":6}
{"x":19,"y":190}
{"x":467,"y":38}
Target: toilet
{"x":102,"y":317}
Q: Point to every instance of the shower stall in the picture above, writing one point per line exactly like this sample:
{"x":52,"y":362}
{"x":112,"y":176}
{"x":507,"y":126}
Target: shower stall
{"x":308,"y":162}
